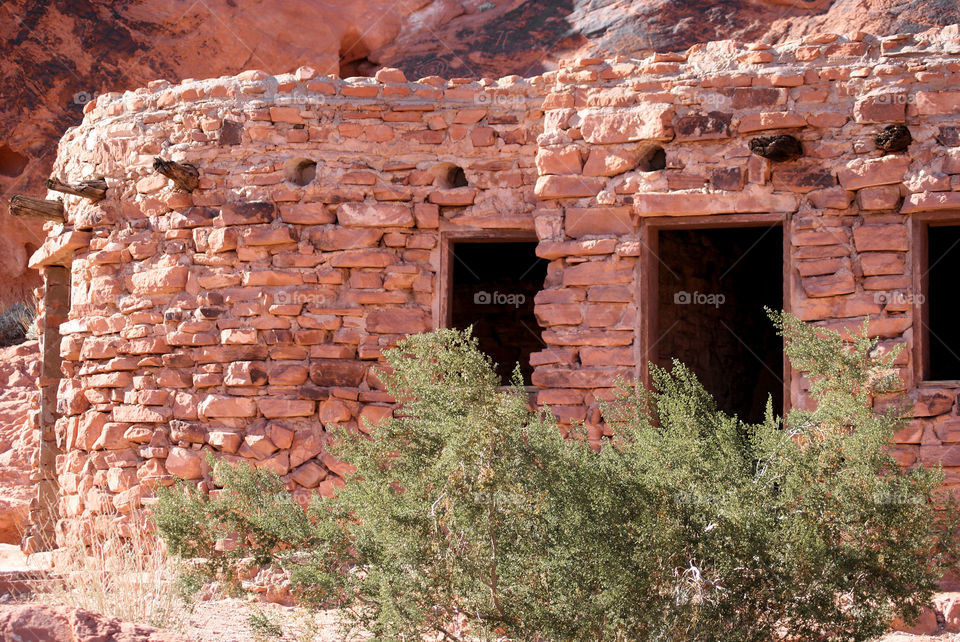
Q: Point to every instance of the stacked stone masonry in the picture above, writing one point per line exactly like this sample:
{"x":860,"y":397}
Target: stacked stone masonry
{"x":244,"y":317}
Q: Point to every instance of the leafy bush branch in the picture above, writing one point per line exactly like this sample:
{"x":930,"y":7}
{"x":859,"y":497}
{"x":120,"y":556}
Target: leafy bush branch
{"x":469,"y":516}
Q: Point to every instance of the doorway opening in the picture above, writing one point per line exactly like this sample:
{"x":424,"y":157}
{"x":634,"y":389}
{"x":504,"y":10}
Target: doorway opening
{"x":492,"y":287}
{"x":938,"y":306}
{"x":711,"y":287}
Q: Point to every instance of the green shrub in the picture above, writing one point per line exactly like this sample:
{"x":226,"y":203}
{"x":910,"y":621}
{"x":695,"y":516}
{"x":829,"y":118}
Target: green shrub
{"x":470,"y":516}
{"x":262,"y":626}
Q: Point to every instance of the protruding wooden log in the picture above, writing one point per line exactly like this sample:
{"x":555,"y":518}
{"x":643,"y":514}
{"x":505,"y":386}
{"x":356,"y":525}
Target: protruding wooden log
{"x":777,"y":148}
{"x":184,"y":175}
{"x":94,"y":189}
{"x":29,"y":207}
{"x":893,"y":138}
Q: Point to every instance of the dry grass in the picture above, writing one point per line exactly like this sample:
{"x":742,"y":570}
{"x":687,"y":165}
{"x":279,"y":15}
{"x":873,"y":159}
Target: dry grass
{"x":18,"y":322}
{"x":131,"y":578}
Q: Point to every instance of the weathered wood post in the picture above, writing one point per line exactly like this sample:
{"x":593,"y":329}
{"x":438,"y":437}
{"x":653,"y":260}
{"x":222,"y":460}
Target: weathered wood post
{"x":30,"y":207}
{"x":44,"y":510}
{"x":94,"y":189}
{"x":184,"y":175}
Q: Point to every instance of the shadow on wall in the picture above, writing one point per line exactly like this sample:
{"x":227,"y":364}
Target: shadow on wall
{"x":12,"y":163}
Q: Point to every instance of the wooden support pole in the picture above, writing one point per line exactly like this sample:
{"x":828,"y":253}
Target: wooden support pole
{"x":41,"y":529}
{"x":29,"y":207}
{"x":184,"y":175}
{"x":94,"y":189}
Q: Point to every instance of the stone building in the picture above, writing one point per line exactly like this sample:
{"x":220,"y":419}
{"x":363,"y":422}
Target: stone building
{"x":587,"y":221}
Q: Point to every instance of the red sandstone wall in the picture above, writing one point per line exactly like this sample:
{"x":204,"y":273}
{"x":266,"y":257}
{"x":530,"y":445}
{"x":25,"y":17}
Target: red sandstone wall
{"x":848,"y":205}
{"x":244,"y":317}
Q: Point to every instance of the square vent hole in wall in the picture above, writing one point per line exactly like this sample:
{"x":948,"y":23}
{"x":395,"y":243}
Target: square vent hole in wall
{"x":712,"y":286}
{"x":492,"y":288}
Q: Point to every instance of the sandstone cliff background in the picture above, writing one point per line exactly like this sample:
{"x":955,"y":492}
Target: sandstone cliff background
{"x":59,"y":54}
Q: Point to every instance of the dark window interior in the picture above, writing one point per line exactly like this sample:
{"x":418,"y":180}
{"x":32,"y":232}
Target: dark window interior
{"x":713,"y":286}
{"x":943,"y":304}
{"x":493,"y":289}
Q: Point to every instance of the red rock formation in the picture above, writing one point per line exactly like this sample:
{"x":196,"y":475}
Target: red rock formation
{"x":60,"y":53}
{"x":19,"y":366}
{"x":43,"y":622}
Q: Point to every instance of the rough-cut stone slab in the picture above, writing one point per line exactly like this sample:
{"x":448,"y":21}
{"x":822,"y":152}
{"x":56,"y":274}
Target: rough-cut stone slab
{"x":374,"y":215}
{"x":930,"y":201}
{"x":650,"y":122}
{"x":770,"y":120}
{"x":57,"y":250}
{"x":697,"y":203}
{"x":875,"y":171}
{"x":568,"y":186}
{"x":226,"y":406}
{"x":598,"y":221}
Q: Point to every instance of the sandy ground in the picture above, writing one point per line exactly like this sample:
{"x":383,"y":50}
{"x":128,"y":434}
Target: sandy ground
{"x":235,"y":620}
{"x":229,"y":621}
{"x":226,"y":621}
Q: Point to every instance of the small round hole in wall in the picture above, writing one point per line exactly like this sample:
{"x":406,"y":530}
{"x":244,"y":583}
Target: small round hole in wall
{"x":652,"y":158}
{"x":449,"y":175}
{"x":300,"y":171}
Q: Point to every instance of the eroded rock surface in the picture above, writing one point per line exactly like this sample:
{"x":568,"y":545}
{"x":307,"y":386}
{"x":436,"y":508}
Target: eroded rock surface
{"x":40,"y":622}
{"x":19,"y":366}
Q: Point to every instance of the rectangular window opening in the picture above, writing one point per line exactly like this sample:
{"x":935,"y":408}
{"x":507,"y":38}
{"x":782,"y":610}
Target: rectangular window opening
{"x":492,"y":288}
{"x":942,"y":341}
{"x":711,"y":289}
